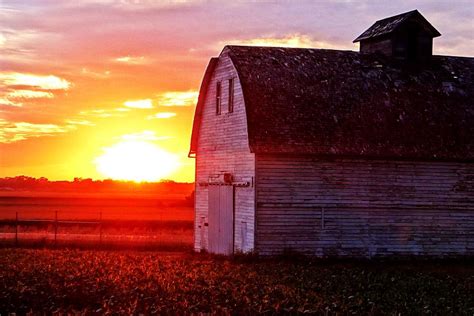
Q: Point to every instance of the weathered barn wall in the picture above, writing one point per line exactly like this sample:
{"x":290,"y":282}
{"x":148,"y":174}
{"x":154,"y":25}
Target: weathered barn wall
{"x":223,"y":147}
{"x":372,"y":46}
{"x":364,"y":208}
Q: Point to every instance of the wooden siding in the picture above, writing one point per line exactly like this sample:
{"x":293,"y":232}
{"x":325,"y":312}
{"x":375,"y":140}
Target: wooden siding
{"x":364,"y":208}
{"x":223,"y":147}
{"x":372,"y":46}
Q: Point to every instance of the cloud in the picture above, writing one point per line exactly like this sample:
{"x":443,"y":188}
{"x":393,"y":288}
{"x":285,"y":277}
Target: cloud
{"x":7,"y":102}
{"x":29,"y":94}
{"x":19,"y":46}
{"x":15,"y":131}
{"x":48,"y":82}
{"x":21,"y":86}
{"x":80,"y":122}
{"x":2,"y":40}
{"x":178,"y":98}
{"x":290,"y":40}
{"x":95,"y":74}
{"x":14,"y":97}
{"x":139,"y":104}
{"x":161,"y":115}
{"x":144,"y":136}
{"x":132,"y":60}
{"x":104,"y":113}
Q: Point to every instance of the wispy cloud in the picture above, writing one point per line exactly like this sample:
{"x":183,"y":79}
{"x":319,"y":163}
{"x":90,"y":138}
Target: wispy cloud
{"x":95,"y":74}
{"x":48,"y":82}
{"x":161,"y":115}
{"x":144,"y":136}
{"x":178,"y":98}
{"x":2,"y":40}
{"x":132,"y":60}
{"x":104,"y":113}
{"x":18,"y":87}
{"x":20,"y":46}
{"x":7,"y":102}
{"x":15,"y":97}
{"x":15,"y":131}
{"x":139,"y":104}
{"x":29,"y":94}
{"x":80,"y":122}
{"x":290,"y":40}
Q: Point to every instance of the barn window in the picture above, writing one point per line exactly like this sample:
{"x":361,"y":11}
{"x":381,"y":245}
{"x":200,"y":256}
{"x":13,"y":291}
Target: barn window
{"x":231,"y":95}
{"x":218,"y":98}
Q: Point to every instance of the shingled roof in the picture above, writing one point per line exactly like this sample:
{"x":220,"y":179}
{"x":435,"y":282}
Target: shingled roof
{"x":330,"y":102}
{"x":391,"y":24}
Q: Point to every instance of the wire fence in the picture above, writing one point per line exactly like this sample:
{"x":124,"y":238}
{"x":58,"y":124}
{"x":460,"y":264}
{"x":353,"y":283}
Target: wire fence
{"x":96,"y":232}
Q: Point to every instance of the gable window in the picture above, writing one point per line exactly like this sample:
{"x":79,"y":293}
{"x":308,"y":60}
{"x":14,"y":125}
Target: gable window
{"x":218,"y":98}
{"x":231,"y":95}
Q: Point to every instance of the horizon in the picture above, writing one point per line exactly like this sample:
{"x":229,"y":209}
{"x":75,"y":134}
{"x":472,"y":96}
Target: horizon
{"x":79,"y":180}
{"x":108,"y":90}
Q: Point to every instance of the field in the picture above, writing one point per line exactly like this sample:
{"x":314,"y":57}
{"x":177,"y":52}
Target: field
{"x":125,"y":282}
{"x":88,"y":220}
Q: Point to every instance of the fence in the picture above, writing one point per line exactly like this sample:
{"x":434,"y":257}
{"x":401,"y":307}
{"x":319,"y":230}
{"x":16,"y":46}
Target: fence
{"x":169,"y":234}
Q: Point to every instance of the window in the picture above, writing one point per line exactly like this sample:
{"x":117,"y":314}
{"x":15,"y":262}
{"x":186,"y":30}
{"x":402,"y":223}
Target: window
{"x":231,"y":95}
{"x":218,"y":98}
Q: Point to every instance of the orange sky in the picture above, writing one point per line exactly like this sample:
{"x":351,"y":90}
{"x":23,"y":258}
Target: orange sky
{"x":100,"y":79}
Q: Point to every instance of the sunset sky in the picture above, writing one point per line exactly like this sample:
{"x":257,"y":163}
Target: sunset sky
{"x":90,"y":88}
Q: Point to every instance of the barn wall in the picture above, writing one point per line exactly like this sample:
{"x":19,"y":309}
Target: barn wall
{"x":223,"y":147}
{"x":372,"y":46}
{"x":364,"y":208}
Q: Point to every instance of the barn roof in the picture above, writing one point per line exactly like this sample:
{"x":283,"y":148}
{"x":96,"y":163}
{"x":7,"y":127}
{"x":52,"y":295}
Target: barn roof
{"x":331,"y":102}
{"x":391,"y":24}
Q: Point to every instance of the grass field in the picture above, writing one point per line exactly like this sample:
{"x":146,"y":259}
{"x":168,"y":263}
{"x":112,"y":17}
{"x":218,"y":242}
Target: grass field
{"x":123,"y":282}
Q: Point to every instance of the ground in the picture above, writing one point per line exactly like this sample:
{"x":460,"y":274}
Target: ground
{"x":132,"y":282}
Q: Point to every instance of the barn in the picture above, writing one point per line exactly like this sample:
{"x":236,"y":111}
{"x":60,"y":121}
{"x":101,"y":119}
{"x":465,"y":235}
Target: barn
{"x":337,"y":153}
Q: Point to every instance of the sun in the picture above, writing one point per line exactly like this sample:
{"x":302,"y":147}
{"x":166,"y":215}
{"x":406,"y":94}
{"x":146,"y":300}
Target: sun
{"x":137,"y":161}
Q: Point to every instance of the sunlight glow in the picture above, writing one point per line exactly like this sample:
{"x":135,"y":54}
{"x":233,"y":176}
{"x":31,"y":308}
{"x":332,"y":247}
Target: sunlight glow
{"x":136,"y":160}
{"x":145,"y":135}
{"x":139,"y":104}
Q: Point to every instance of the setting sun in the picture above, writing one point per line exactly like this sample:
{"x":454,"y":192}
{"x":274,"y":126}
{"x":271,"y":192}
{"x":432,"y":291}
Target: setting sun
{"x":136,"y":160}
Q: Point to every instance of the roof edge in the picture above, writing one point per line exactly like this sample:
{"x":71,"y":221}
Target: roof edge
{"x":199,"y":106}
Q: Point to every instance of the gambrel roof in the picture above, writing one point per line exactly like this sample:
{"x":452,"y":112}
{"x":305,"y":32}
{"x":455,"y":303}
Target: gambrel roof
{"x":332,"y":102}
{"x":389,"y":25}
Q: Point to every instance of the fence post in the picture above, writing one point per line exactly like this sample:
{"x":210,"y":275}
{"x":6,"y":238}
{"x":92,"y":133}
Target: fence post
{"x":16,"y":229}
{"x":56,"y":228}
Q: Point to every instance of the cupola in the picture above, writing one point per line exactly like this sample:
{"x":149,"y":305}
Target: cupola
{"x":407,"y":36}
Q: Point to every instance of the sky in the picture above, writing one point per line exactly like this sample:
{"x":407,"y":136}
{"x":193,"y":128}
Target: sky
{"x":107,"y":89}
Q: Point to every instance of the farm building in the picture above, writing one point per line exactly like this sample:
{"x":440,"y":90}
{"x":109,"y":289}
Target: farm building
{"x":337,"y":153}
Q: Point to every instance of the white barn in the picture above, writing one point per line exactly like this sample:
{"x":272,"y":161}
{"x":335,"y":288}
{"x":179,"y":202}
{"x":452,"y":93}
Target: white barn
{"x":337,"y":153}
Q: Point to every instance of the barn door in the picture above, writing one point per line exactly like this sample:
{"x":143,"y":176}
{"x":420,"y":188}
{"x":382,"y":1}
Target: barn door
{"x":221,"y":219}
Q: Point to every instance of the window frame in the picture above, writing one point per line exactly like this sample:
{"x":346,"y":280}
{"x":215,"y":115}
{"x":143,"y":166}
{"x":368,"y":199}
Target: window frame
{"x":218,"y":97}
{"x":230,"y":101}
